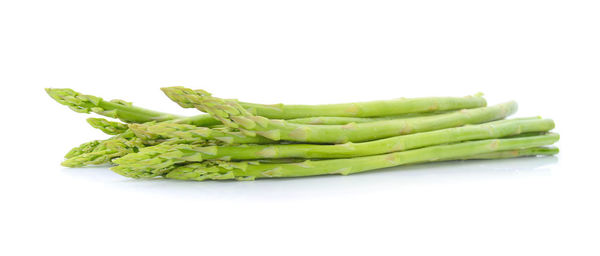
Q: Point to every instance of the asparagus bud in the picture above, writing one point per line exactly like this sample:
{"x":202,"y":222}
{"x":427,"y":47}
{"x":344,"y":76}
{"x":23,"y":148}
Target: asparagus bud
{"x":108,"y":127}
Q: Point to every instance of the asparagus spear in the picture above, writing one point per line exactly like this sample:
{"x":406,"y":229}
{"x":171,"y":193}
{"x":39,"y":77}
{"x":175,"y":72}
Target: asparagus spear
{"x":159,"y":159}
{"x":109,"y":149}
{"x":131,"y":114}
{"x":108,"y":127}
{"x":165,"y":130}
{"x":102,"y":151}
{"x":152,"y":133}
{"x":231,"y":114}
{"x":252,"y":170}
{"x":97,"y":145}
{"x":170,"y":130}
{"x":83,"y":148}
{"x":224,"y":171}
{"x":95,"y":152}
{"x":337,"y":120}
{"x":119,"y":109}
{"x":149,"y":134}
{"x":535,"y":151}
{"x":184,"y":97}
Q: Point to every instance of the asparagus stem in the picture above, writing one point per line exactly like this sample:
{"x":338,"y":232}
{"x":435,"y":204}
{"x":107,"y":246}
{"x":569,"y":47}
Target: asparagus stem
{"x":170,"y":133}
{"x":149,"y":133}
{"x":208,"y":171}
{"x":252,"y":170}
{"x":535,"y":151}
{"x":338,"y":120}
{"x":122,"y":110}
{"x":231,"y":114}
{"x":128,"y":113}
{"x":202,"y":120}
{"x":358,"y":109}
{"x":160,"y":158}
{"x":108,"y":127}
{"x":400,"y":106}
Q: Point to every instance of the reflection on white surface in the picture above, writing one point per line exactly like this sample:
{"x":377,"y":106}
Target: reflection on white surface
{"x":394,"y":178}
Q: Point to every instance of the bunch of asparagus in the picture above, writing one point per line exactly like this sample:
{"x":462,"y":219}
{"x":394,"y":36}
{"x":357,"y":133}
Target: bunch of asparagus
{"x":245,"y":141}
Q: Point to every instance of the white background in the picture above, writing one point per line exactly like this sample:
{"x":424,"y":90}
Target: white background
{"x":544,"y":54}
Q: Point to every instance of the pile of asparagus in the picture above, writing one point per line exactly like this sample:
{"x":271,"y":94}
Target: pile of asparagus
{"x":244,"y":141}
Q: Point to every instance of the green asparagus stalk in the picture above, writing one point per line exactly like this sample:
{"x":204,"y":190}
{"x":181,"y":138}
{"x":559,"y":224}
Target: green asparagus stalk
{"x":131,"y":114}
{"x":150,"y":133}
{"x":231,"y":114}
{"x":337,"y":120}
{"x":161,"y":158}
{"x":119,"y":109}
{"x":153,"y":133}
{"x":218,"y":170}
{"x":252,"y":170}
{"x":535,"y":151}
{"x":95,"y":152}
{"x":108,"y":127}
{"x":202,"y":120}
{"x":184,"y":97}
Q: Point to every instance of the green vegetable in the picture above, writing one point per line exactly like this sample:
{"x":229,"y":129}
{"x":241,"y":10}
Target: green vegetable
{"x":187,"y":98}
{"x":253,"y":170}
{"x":152,"y":132}
{"x":102,"y":151}
{"x":337,"y":120}
{"x":142,"y":135}
{"x":244,"y":141}
{"x":216,"y":170}
{"x":536,"y":151}
{"x":230,"y":113}
{"x":83,"y":148}
{"x":126,"y":112}
{"x":108,"y":127}
{"x":119,"y":109}
{"x":157,"y":160}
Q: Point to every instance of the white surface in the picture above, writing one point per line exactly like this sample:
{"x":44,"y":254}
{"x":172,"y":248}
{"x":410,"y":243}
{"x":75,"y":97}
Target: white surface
{"x":544,"y":54}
